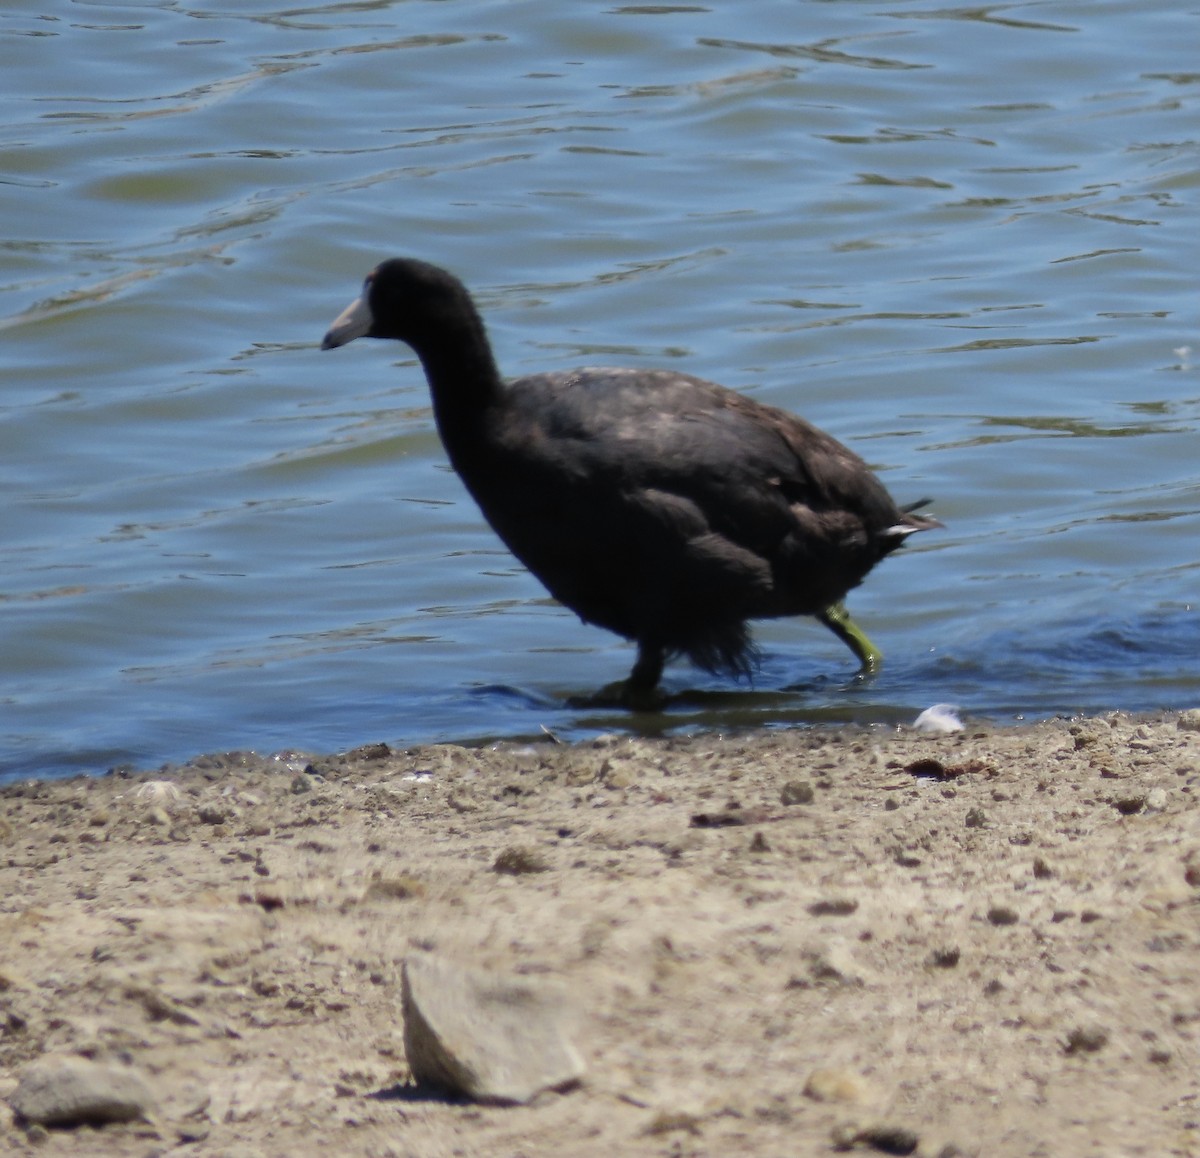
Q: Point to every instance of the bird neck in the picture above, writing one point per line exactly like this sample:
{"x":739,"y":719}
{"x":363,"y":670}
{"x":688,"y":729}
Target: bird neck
{"x":464,"y":381}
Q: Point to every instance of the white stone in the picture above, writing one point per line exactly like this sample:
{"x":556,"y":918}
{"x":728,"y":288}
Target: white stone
{"x":493,"y":1039}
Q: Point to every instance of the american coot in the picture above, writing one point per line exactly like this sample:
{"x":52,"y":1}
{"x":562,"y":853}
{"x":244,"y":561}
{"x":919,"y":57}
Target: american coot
{"x":663,"y":507}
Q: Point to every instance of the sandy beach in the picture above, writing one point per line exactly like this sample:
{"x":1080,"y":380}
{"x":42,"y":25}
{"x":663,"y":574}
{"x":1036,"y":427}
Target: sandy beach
{"x":794,"y":942}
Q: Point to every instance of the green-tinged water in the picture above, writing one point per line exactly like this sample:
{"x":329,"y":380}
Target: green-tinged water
{"x":960,"y":239}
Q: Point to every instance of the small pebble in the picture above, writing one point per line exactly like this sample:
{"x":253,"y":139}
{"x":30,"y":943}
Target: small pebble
{"x":1189,"y":721}
{"x":1156,"y":800}
{"x":887,"y":1139}
{"x":796,"y":792}
{"x":835,"y":1085}
{"x":834,"y":907}
{"x":1086,"y":1039}
{"x":74,"y":1091}
{"x":891,"y":1139}
{"x":619,"y":777}
{"x":1002,"y":915}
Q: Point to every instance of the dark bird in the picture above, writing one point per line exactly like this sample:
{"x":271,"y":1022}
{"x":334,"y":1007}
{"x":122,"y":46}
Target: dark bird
{"x":665,"y":508}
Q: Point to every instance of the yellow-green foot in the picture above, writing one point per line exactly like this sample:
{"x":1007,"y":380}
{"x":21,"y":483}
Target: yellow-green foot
{"x":838,"y":620}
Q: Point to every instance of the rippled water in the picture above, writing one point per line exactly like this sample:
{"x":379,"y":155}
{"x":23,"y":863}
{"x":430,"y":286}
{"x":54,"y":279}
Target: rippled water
{"x":959,"y":238}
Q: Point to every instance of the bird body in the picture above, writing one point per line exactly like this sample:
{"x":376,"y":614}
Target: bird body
{"x":660,"y":506}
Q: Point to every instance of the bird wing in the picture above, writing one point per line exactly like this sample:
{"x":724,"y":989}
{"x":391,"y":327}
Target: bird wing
{"x":752,"y":469}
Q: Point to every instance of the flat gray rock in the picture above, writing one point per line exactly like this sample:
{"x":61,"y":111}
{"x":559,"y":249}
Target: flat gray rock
{"x":492,"y":1039}
{"x":73,"y":1091}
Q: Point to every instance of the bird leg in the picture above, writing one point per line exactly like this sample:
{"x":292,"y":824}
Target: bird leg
{"x":641,"y":688}
{"x":639,"y":693}
{"x":838,"y":620}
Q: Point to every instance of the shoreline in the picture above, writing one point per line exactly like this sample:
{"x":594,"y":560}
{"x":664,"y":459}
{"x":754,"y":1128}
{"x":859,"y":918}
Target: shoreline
{"x":777,"y":941}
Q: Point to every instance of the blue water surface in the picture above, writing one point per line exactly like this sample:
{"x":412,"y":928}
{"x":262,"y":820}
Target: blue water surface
{"x":960,"y":239}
